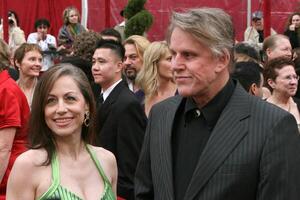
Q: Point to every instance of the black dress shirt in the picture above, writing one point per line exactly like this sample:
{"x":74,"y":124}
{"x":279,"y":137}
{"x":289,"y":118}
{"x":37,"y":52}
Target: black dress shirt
{"x":191,"y":131}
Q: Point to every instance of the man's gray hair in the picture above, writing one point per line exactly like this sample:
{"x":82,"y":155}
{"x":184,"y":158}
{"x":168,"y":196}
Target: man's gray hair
{"x":211,"y":26}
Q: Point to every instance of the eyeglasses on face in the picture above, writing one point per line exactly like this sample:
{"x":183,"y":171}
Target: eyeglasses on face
{"x":291,"y":77}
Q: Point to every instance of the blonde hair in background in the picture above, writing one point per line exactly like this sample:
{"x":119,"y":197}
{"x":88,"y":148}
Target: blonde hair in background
{"x":148,"y":77}
{"x":141,"y":43}
{"x":66,"y":14}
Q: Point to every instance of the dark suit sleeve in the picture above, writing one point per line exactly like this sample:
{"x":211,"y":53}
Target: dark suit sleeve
{"x":131,"y":129}
{"x":280,"y":162}
{"x":143,"y":176}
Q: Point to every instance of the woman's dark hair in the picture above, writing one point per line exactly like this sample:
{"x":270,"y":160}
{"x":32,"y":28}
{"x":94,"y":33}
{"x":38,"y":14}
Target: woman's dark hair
{"x":271,"y":67}
{"x":289,"y":21}
{"x":40,"y":135}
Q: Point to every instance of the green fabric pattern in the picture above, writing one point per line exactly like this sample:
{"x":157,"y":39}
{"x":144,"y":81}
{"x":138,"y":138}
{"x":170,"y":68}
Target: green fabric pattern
{"x":57,"y":192}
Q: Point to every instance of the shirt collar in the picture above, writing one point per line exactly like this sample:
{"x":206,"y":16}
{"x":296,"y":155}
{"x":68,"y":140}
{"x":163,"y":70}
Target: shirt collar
{"x":109,"y":90}
{"x":213,"y":109}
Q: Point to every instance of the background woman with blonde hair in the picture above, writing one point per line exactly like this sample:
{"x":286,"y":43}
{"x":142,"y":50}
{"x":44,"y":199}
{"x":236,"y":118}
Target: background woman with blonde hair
{"x":70,"y":29}
{"x":156,"y":78}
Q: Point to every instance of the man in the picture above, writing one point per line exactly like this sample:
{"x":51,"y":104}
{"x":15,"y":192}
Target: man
{"x":276,"y":46}
{"x":46,"y":41}
{"x":135,"y":46}
{"x":255,"y":33}
{"x":215,"y":141}
{"x":121,"y":121}
{"x":250,"y":76}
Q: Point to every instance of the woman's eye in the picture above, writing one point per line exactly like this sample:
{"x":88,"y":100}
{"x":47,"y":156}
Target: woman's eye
{"x":71,"y":98}
{"x":50,"y":100}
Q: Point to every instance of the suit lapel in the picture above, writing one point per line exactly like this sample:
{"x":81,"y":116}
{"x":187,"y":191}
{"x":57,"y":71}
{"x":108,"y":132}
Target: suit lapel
{"x":228,"y":132}
{"x":104,"y":109}
{"x":165,"y":141}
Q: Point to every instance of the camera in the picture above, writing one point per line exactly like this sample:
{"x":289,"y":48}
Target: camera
{"x":10,"y":18}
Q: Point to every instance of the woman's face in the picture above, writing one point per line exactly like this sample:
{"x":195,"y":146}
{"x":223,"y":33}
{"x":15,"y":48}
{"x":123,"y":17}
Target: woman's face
{"x":73,"y":17}
{"x":286,"y":82}
{"x":65,"y":108}
{"x":164,"y":66}
{"x":296,"y":21}
{"x":31,"y":64}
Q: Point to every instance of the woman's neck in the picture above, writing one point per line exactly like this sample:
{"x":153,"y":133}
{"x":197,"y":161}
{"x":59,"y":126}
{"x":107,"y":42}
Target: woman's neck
{"x":26,"y":82}
{"x":165,"y":87}
{"x":281,"y":101}
{"x":70,"y":147}
{"x":279,"y":98}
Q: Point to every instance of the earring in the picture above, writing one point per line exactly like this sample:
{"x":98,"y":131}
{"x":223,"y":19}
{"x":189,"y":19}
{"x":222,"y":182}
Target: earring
{"x":86,"y":120}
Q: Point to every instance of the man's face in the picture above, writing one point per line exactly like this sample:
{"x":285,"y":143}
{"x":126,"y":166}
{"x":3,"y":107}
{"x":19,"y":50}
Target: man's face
{"x":106,"y":67}
{"x":132,"y":62}
{"x":282,"y":48}
{"x":258,"y":24}
{"x":193,"y":64}
{"x":42,"y":29}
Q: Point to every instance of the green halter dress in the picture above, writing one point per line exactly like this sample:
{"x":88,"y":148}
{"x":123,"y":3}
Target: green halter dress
{"x":58,"y":192}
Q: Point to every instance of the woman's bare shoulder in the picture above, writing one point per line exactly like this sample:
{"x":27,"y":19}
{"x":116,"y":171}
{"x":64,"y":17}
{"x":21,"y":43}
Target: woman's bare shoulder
{"x":32,"y":158}
{"x":104,"y":155}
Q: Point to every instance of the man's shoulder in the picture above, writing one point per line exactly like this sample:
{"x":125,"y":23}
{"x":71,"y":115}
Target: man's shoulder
{"x":122,"y":94}
{"x":265,"y":112}
{"x":169,"y":103}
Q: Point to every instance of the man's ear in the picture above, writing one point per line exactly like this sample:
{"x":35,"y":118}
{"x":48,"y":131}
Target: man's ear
{"x":119,"y":66}
{"x":223,"y":61}
{"x":253,"y":89}
{"x":268,"y":52}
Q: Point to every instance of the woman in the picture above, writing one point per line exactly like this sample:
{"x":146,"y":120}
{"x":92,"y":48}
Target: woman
{"x":282,"y":80}
{"x":28,"y":60}
{"x":70,"y":29}
{"x":14,"y":113}
{"x":156,"y":78}
{"x":293,"y":29}
{"x":60,"y":160}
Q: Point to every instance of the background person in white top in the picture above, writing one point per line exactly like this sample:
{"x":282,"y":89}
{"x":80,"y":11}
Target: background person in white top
{"x":46,"y":41}
{"x":254,"y":34}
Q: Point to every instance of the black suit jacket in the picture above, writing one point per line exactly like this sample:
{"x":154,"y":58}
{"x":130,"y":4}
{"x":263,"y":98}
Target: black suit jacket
{"x":252,"y":153}
{"x":121,"y":124}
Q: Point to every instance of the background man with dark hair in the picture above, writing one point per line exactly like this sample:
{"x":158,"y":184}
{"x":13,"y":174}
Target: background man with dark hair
{"x":46,"y":41}
{"x":250,"y":76}
{"x":121,"y":121}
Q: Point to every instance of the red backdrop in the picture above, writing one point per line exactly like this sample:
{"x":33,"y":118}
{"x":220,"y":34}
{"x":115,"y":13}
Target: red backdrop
{"x":161,"y":9}
{"x":30,"y":10}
